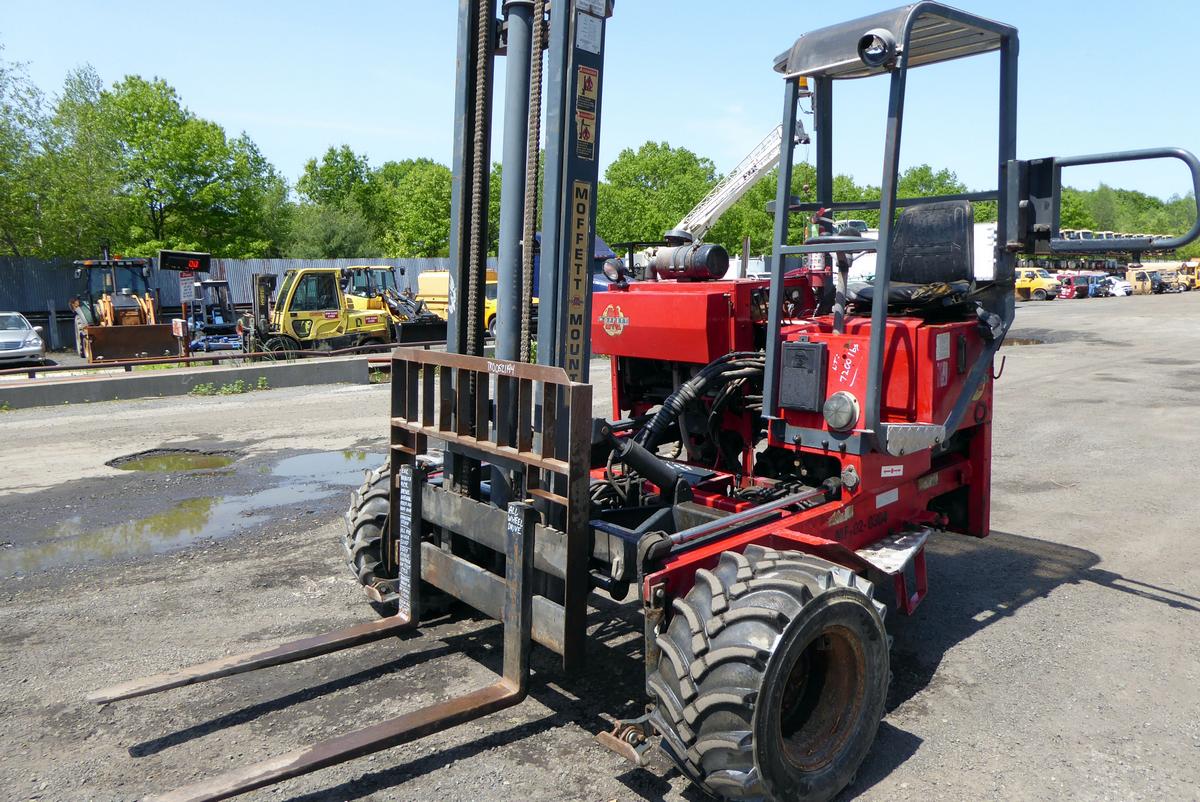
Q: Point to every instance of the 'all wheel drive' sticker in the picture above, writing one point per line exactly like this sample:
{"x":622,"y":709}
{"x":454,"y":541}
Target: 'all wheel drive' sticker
{"x":613,"y":320}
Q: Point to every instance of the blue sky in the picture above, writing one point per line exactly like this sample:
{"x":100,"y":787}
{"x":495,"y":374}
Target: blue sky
{"x":300,"y":76}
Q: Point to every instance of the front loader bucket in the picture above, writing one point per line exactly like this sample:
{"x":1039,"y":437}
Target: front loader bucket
{"x":421,"y":331}
{"x":111,"y":343}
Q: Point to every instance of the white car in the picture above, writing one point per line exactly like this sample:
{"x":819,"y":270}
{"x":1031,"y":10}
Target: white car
{"x":19,"y":341}
{"x":1118,"y":287}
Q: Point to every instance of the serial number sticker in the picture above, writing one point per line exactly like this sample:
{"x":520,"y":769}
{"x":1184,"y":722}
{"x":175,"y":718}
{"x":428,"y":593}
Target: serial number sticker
{"x":502,"y":368}
{"x":588,"y":32}
{"x":943,"y":346}
{"x":890,"y":497}
{"x":891,"y":470}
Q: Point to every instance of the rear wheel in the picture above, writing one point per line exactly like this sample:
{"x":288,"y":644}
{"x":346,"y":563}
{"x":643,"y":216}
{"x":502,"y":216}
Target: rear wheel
{"x":773,"y":677}
{"x":365,"y":522}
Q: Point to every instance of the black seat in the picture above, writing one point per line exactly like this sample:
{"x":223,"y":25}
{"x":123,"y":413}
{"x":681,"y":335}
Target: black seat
{"x":932,"y":257}
{"x":933,"y":243}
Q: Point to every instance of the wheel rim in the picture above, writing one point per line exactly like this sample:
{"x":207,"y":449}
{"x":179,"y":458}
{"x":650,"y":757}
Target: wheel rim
{"x":822,"y":698}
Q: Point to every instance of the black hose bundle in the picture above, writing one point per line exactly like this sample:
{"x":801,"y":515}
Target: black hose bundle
{"x":731,"y":367}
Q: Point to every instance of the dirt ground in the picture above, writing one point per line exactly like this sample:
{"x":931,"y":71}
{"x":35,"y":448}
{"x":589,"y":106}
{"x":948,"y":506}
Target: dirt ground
{"x":1057,"y":658}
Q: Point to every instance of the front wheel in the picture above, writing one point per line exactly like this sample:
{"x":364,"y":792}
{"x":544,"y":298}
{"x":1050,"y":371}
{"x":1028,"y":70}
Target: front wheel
{"x":281,"y":348}
{"x":362,"y":543}
{"x":773,"y":677}
{"x":1039,"y":295}
{"x":491,"y":327}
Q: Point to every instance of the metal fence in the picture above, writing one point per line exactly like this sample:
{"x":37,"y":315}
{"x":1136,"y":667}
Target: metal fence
{"x":41,"y":289}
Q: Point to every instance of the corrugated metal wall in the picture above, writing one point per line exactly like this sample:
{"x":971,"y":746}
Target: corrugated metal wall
{"x":26,"y":285}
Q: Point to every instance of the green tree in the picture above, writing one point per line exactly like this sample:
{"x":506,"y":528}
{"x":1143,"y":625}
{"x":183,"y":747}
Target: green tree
{"x":646,"y":192}
{"x":748,"y":217}
{"x":419,"y":212}
{"x":21,"y":121}
{"x":339,"y":178}
{"x":81,"y":176}
{"x":191,"y":186}
{"x":324,"y":231}
{"x":376,"y":199}
{"x":1102,"y":208}
{"x":1073,"y":212}
{"x":922,"y":180}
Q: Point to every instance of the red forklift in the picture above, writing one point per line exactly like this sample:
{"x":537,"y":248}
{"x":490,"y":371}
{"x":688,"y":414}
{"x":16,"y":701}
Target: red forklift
{"x":779,"y":452}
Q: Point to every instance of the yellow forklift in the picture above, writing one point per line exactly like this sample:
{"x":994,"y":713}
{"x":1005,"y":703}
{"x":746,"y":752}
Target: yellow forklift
{"x":328,"y":309}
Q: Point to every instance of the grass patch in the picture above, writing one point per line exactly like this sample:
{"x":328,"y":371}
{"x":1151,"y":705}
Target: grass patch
{"x":159,"y":366}
{"x":378,"y":376}
{"x":235,"y":388}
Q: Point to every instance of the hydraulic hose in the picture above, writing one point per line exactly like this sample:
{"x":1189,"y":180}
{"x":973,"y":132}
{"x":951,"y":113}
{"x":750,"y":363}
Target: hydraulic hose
{"x":649,"y":466}
{"x":739,"y":364}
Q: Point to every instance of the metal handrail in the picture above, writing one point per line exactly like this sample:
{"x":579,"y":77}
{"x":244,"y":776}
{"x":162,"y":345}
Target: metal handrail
{"x":129,"y":364}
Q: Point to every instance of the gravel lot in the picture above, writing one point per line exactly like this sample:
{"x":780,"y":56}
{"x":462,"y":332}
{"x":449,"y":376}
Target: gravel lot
{"x":1057,"y":658}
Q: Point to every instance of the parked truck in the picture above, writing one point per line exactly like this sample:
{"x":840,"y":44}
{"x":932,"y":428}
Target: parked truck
{"x":1036,"y":284}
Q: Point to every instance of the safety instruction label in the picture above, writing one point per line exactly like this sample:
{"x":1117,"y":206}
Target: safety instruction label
{"x":585,"y":135}
{"x":578,"y":279}
{"x":587,"y":87}
{"x":587,"y":92}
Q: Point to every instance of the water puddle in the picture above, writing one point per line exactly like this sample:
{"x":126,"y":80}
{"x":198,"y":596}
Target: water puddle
{"x":213,"y":517}
{"x":169,"y":460}
{"x":344,"y":468}
{"x":298,"y":480}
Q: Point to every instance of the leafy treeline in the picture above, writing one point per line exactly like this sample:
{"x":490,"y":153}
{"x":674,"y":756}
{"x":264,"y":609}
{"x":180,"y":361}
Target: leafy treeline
{"x":648,"y":190}
{"x":130,"y":166}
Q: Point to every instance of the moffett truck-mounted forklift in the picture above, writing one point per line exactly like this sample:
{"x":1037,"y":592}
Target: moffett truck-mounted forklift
{"x":780,"y":449}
